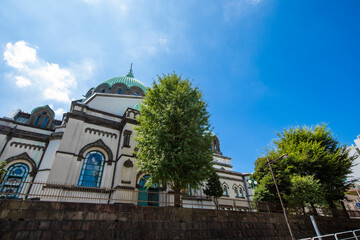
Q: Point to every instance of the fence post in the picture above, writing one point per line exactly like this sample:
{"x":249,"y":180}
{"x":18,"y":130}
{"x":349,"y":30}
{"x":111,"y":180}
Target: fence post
{"x":315,"y":226}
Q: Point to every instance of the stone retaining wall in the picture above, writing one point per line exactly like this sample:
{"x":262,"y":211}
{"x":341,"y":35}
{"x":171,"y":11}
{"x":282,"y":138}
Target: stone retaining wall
{"x":55,"y":220}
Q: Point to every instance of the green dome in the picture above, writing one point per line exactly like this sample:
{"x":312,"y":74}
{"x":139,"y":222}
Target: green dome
{"x":45,"y":106}
{"x":137,"y":107}
{"x":128,"y":81}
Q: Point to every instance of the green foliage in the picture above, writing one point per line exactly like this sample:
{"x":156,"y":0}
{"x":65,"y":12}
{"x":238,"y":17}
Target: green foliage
{"x":213,"y":188}
{"x":311,"y":152}
{"x":305,"y":191}
{"x":262,"y":193}
{"x":2,"y":169}
{"x":173,"y":134}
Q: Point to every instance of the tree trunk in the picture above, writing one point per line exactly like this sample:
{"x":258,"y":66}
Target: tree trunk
{"x":314,"y":209}
{"x":177,"y":202}
{"x":216,"y":201}
{"x":333,"y":208}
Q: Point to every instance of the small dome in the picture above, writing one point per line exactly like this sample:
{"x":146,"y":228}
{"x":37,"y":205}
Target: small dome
{"x":45,"y":106}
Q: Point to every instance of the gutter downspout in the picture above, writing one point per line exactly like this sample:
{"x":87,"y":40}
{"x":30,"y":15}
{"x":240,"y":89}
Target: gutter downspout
{"x":247,"y":192}
{"x":116,"y":159}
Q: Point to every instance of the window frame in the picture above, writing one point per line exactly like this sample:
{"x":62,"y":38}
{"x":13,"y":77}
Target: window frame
{"x":86,"y":168}
{"x":12,"y":183}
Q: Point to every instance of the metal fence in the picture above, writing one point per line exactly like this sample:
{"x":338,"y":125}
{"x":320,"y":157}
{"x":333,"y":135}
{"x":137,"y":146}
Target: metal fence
{"x":296,"y":210}
{"x":44,"y":191}
{"x":347,"y":235}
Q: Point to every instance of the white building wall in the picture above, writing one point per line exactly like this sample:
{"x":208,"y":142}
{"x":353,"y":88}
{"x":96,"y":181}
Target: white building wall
{"x":355,"y":150}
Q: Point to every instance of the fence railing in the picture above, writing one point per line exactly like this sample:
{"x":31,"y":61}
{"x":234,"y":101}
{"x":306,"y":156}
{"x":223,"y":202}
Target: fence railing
{"x":45,"y":191}
{"x":347,"y":235}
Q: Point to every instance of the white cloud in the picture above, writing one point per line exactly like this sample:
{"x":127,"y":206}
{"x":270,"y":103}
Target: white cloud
{"x":53,"y":81}
{"x":19,"y":54}
{"x":59,"y":112}
{"x":22,"y":81}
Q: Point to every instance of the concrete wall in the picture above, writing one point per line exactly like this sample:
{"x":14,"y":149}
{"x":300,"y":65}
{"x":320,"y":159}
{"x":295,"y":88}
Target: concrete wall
{"x":55,"y":220}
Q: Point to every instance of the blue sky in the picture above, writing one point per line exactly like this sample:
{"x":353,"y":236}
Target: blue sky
{"x":263,"y":65}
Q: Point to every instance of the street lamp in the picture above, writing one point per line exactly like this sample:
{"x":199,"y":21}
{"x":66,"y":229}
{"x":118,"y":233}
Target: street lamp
{"x":278,"y":192}
{"x":253,"y":183}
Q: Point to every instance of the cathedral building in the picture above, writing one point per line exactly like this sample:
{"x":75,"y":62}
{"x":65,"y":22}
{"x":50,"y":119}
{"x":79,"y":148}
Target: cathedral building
{"x":88,"y":156}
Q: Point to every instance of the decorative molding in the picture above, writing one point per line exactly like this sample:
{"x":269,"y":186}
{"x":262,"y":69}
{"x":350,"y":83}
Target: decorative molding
{"x":125,"y":155}
{"x":128,"y":164}
{"x":68,"y":153}
{"x":221,"y":164}
{"x":56,"y":136}
{"x":93,"y":120}
{"x":6,"y":130}
{"x":124,"y":187}
{"x":224,"y":183}
{"x":99,"y":143}
{"x":83,"y":106}
{"x":101,"y":132}
{"x":45,"y":169}
{"x":79,"y":188}
{"x":24,"y":156}
{"x":27,"y":145}
{"x":229,"y":178}
{"x":229,"y":172}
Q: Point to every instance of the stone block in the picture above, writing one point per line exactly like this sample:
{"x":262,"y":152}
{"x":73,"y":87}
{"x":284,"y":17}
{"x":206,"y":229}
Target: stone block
{"x":46,"y":235}
{"x":90,"y":235}
{"x":85,"y":226}
{"x":69,"y":235}
{"x":66,"y":225}
{"x":55,"y":215}
{"x":88,"y":216}
{"x":73,"y":215}
{"x":32,"y":225}
{"x":42,"y":214}
{"x":44,"y":225}
{"x":22,"y":235}
{"x":34,"y":235}
{"x":31,"y":214}
{"x":76,"y":225}
{"x":80,"y":235}
{"x":7,"y":235}
{"x":55,"y":225}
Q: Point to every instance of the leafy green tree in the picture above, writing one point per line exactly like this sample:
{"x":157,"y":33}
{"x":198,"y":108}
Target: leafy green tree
{"x":311,"y":151}
{"x":213,"y":188}
{"x":306,"y":191}
{"x":173,"y":135}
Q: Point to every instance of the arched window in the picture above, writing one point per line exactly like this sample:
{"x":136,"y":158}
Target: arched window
{"x":15,"y":176}
{"x":148,"y":196}
{"x":44,"y":122}
{"x":236,"y":192}
{"x":225,"y":190}
{"x":136,"y":93}
{"x":92,"y":170}
{"x":241,"y":193}
{"x":119,"y":91}
{"x":37,"y":120}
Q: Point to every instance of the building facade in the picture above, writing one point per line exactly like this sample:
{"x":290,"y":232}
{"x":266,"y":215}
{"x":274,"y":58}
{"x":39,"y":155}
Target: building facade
{"x":90,"y":153}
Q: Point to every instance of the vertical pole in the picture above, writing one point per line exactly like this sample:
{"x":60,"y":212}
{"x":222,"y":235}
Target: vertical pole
{"x":282,"y":204}
{"x":315,"y":226}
